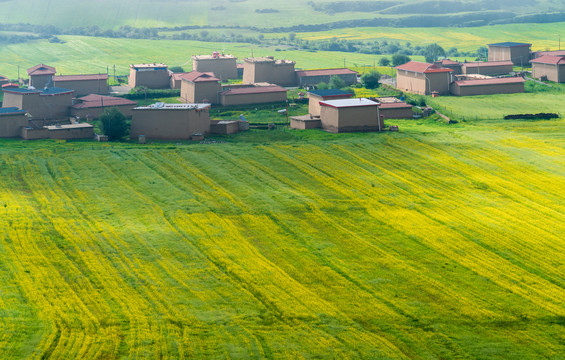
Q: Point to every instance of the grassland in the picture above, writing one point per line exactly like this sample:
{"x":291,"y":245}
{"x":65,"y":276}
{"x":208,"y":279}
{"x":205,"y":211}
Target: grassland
{"x":435,"y":242}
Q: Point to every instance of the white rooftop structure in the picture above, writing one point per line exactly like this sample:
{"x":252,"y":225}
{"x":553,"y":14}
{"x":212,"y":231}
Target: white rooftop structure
{"x":347,"y":103}
{"x":163,"y":106}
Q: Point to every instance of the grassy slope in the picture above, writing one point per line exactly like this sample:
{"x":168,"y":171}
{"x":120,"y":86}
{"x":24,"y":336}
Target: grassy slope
{"x":435,"y":242}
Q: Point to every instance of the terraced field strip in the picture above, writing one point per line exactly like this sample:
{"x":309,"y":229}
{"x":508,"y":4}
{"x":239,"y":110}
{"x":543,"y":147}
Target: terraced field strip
{"x":394,"y":246}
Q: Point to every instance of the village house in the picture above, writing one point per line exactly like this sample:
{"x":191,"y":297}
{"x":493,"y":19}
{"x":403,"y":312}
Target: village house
{"x":48,"y":104}
{"x":261,"y":93}
{"x":393,"y":108}
{"x":41,"y":75}
{"x":550,"y":67}
{"x":314,"y":77}
{"x":92,"y":106}
{"x":176,"y":79}
{"x":488,"y":67}
{"x":12,"y":120}
{"x":350,"y":115}
{"x":170,"y":121}
{"x":423,"y":78}
{"x":152,"y":76}
{"x":489,"y":86}
{"x":269,"y":70}
{"x":198,"y":87}
{"x":83,"y":84}
{"x":70,"y":131}
{"x":223,"y":66}
{"x":315,"y":96}
{"x":450,"y":64}
{"x":518,"y":53}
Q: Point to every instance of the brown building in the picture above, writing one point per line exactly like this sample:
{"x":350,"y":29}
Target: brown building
{"x":170,"y":121}
{"x":392,"y":108}
{"x":422,"y":78}
{"x":552,"y":67}
{"x":48,"y":104}
{"x":314,"y":77}
{"x":4,"y":80}
{"x":490,"y":86}
{"x":258,"y":94}
{"x":200,"y":87}
{"x":349,"y":115}
{"x":92,"y":106}
{"x":70,"y":131}
{"x":488,"y":67}
{"x":450,"y":64}
{"x":40,"y":75}
{"x":538,"y":54}
{"x":12,"y":120}
{"x":315,"y":96}
{"x":269,"y":70}
{"x":223,"y":66}
{"x":176,"y":79}
{"x":153,"y":76}
{"x":83,"y":84}
{"x":518,"y":53}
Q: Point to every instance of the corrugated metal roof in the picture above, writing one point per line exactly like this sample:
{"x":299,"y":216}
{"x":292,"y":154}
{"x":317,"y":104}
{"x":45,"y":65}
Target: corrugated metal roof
{"x":197,"y":76}
{"x":347,"y":103}
{"x":420,"y":67}
{"x":325,"y":72}
{"x":551,"y":60}
{"x":48,"y":91}
{"x":510,"y":44}
{"x":95,"y":101}
{"x":80,"y":77}
{"x":41,"y":69}
{"x":492,"y":81}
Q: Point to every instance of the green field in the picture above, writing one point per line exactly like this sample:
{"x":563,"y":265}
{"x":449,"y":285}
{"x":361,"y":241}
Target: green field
{"x":437,"y":242}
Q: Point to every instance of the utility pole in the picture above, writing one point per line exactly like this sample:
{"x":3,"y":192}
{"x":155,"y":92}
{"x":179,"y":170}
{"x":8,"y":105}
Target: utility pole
{"x":343,"y":62}
{"x":115,"y":73}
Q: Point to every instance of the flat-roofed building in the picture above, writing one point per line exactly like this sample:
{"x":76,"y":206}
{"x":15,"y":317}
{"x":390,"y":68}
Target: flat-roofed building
{"x":550,"y":67}
{"x":40,"y":75}
{"x":392,"y":108}
{"x":488,"y":67}
{"x":518,"y":53}
{"x":70,"y":131}
{"x":315,"y":96}
{"x":314,"y":77}
{"x":423,"y":78}
{"x":200,"y":87}
{"x":153,"y":76}
{"x":93,"y":105}
{"x":48,"y":104}
{"x":12,"y":120}
{"x":170,"y":121}
{"x":350,"y":115}
{"x":267,"y":69}
{"x":223,"y":66}
{"x":257,"y":94}
{"x":509,"y":85}
{"x":83,"y":84}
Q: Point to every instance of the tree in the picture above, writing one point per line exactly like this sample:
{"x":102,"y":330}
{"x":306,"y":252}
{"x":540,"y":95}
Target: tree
{"x":114,"y":124}
{"x":176,"y":69}
{"x":433,"y":52}
{"x":399,"y":59}
{"x":291,"y":36}
{"x":384,"y":61}
{"x":322,"y":86}
{"x":336,"y":82}
{"x":371,"y":79}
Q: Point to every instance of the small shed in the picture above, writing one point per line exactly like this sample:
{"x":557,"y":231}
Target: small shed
{"x":552,"y":67}
{"x":315,"y":96}
{"x":224,"y":127}
{"x":304,"y":122}
{"x":490,"y":86}
{"x":255,"y":94}
{"x":488,"y":67}
{"x":350,"y":115}
{"x":71,"y":131}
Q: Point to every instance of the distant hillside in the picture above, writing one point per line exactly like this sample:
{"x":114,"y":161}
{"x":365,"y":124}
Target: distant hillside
{"x":282,"y":15}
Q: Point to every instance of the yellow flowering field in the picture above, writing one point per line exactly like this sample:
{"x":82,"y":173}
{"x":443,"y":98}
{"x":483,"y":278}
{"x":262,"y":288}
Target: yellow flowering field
{"x":437,"y":242}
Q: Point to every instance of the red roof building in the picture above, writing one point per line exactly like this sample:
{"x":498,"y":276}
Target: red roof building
{"x":508,"y":85}
{"x":91,"y":106}
{"x":488,"y":67}
{"x":423,"y":78}
{"x":199,"y":87}
{"x":41,"y":75}
{"x":549,"y":67}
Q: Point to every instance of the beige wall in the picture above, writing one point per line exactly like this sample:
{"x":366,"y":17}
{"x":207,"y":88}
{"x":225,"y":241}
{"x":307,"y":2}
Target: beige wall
{"x":196,"y":92}
{"x":50,"y":107}
{"x":362,"y":118}
{"x":246,"y":99}
{"x":11,"y":125}
{"x":314,"y":107}
{"x":169,"y":124}
{"x":223,"y":68}
{"x":77,"y":133}
{"x":518,"y":55}
{"x":487,"y":89}
{"x":39,"y":81}
{"x":85,"y":87}
{"x":439,"y":82}
{"x":554,"y":73}
{"x":270,"y":72}
{"x":97,"y":111}
{"x":305,"y":124}
{"x":13,"y":100}
{"x":154,"y":79}
{"x":396,"y":113}
{"x":487,"y":70}
{"x":411,"y":82}
{"x":34,"y":134}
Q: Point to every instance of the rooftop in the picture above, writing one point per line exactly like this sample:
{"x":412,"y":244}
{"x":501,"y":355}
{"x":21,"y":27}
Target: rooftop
{"x":268,"y":59}
{"x":330,"y":93}
{"x":81,"y":77}
{"x":197,"y":76}
{"x":163,"y":106}
{"x":43,"y":92}
{"x":11,"y":111}
{"x":254,"y":90}
{"x":449,"y":62}
{"x":492,"y":81}
{"x":325,"y":72}
{"x":148,"y":66}
{"x":95,"y":101}
{"x":348,"y":103}
{"x":471,"y":64}
{"x":68,"y":126}
{"x":394,"y":105}
{"x":213,"y":56}
{"x":552,"y":53}
{"x":510,"y":44}
{"x":41,"y":69}
{"x":548,"y":59}
{"x":420,"y":67}
{"x":3,"y":78}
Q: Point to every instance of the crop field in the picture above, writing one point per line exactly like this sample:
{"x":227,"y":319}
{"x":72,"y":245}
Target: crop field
{"x":81,"y":54}
{"x":435,"y":242}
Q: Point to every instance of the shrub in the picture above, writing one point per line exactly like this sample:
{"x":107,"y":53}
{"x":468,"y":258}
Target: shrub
{"x":114,"y":124}
{"x":371,"y":79}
